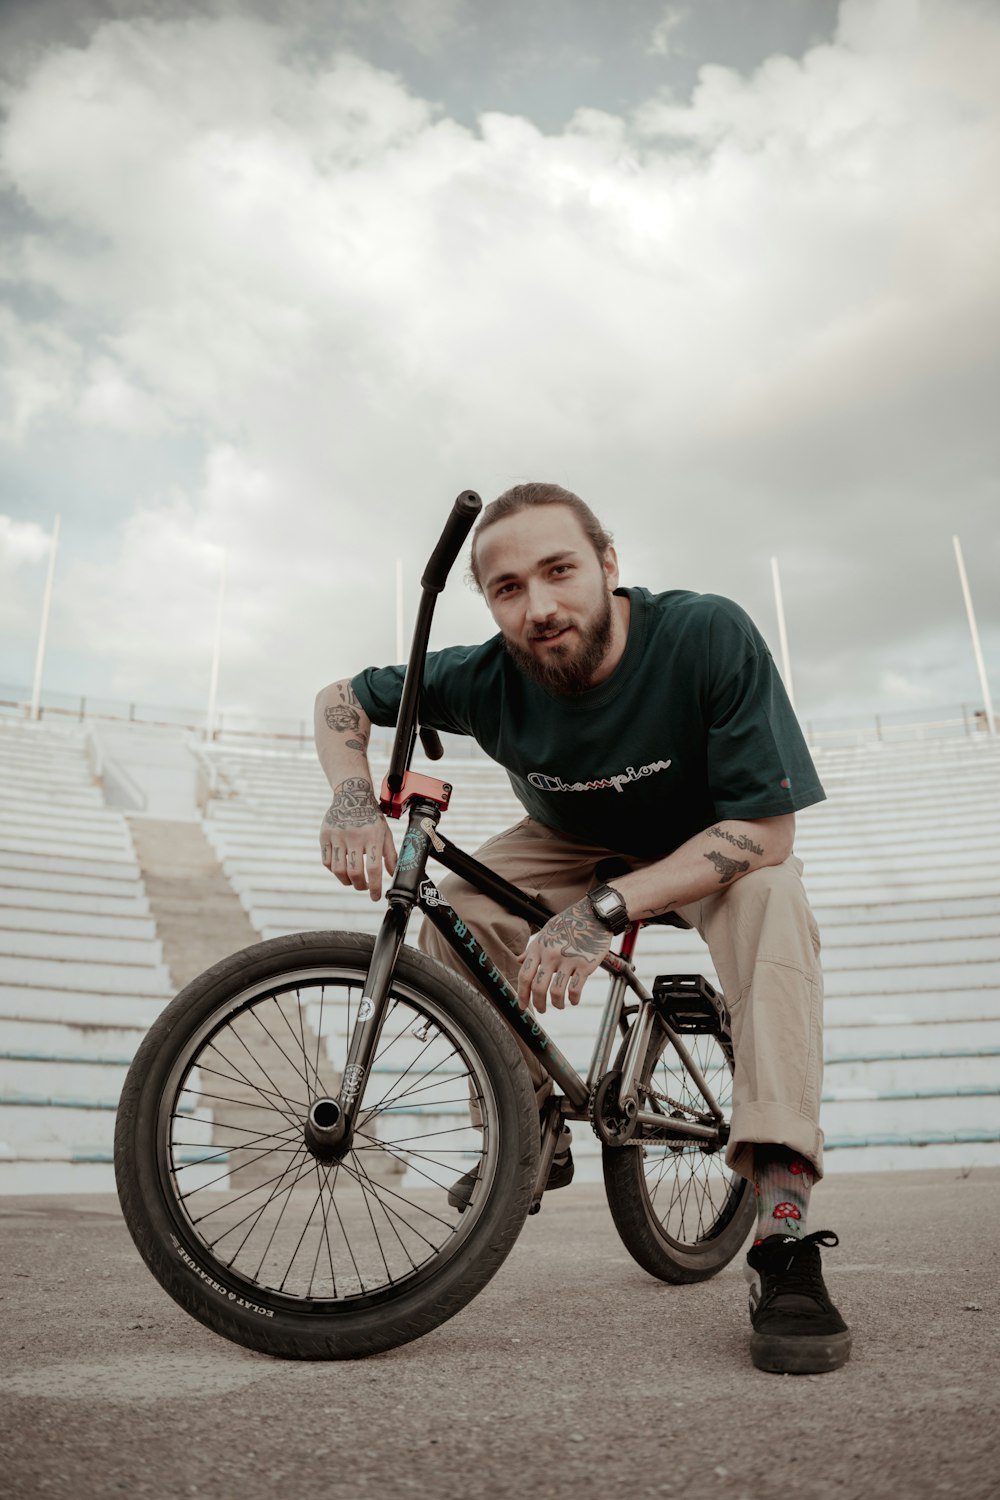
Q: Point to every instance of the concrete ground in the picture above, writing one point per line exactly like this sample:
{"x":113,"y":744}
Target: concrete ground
{"x":573,"y":1373}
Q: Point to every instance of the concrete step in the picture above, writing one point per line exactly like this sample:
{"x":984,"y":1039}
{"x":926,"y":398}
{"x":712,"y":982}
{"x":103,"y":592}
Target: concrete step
{"x":947,"y":1003}
{"x":892,"y":1074}
{"x":78,"y":891}
{"x":874,"y":980}
{"x":910,"y":1113}
{"x":110,"y":848}
{"x":43,"y":904}
{"x":120,"y":871}
{"x":28,"y":837}
{"x":82,"y":923}
{"x":76,"y":1169}
{"x":78,"y":948}
{"x":85,"y":1174}
{"x":32,"y":1126}
{"x":36,"y":1038}
{"x":957,"y":1152}
{"x":79,"y":976}
{"x":85,"y":1078}
{"x":76,"y":1006}
{"x":983,"y":908}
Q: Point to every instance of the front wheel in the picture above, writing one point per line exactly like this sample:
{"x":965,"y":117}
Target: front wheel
{"x":680,"y":1212}
{"x":253,"y":1235}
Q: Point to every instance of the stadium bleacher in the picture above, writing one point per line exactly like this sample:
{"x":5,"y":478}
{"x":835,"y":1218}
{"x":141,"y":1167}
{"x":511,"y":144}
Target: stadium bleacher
{"x":81,"y":970}
{"x":900,"y":865}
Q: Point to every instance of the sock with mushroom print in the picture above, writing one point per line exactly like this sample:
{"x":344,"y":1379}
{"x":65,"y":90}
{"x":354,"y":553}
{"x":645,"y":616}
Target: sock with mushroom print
{"x":782,"y":1181}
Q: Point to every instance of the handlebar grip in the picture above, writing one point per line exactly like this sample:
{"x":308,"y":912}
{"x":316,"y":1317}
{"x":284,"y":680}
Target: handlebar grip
{"x":431,"y":741}
{"x":457,"y":527}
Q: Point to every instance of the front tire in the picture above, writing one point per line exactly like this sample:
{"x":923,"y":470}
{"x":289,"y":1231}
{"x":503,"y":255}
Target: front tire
{"x":279,"y":1251}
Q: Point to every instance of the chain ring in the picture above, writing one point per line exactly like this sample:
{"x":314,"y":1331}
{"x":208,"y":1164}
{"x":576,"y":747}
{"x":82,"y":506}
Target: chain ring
{"x":610,"y":1125}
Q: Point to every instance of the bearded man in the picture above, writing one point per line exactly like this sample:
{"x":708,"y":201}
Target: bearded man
{"x":653,"y":728}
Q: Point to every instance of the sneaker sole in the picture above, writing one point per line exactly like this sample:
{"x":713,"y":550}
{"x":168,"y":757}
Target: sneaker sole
{"x":800,"y":1356}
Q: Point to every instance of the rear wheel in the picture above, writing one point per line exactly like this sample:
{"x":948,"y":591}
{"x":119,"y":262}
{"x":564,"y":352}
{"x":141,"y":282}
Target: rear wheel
{"x":274,"y":1248}
{"x":680,"y":1212}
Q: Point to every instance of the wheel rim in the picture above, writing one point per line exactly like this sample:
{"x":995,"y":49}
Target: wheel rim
{"x":690,"y":1193}
{"x":256,"y":1211}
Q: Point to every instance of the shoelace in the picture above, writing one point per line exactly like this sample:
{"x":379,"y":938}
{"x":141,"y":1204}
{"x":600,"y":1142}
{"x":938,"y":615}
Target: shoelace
{"x":802,"y":1271}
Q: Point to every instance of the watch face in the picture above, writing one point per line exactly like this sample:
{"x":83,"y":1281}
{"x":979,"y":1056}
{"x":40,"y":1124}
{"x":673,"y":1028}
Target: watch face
{"x":610,"y":908}
{"x":607,"y":904}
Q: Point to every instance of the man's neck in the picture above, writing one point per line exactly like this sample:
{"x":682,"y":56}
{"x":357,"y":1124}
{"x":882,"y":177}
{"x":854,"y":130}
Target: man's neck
{"x":621,"y":613}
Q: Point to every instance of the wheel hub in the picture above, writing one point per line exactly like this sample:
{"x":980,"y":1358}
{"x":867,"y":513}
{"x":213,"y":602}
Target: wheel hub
{"x":325,"y":1131}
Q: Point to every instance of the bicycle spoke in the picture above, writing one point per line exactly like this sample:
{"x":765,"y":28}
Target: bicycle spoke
{"x":257,"y":1197}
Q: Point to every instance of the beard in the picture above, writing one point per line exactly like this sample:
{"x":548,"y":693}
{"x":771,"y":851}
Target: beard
{"x":566,"y":671}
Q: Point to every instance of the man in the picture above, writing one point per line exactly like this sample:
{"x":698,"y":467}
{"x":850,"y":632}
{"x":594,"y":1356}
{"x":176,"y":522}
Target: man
{"x":654,"y":728}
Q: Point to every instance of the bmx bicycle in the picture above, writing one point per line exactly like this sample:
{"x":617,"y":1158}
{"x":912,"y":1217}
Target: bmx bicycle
{"x":293,"y":1122}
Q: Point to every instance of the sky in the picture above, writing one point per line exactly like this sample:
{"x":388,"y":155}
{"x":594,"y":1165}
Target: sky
{"x":277,"y":281}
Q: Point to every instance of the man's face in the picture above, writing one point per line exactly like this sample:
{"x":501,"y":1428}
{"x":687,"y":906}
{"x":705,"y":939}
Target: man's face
{"x":550,"y":594}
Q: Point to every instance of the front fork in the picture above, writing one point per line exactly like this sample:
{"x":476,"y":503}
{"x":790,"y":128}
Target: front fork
{"x":330,"y":1124}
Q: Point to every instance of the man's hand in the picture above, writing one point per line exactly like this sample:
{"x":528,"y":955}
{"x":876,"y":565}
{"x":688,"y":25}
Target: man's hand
{"x":354,"y":839}
{"x":561,"y":957}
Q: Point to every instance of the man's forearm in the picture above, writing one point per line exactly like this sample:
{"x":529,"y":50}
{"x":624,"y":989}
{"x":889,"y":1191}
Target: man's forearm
{"x":707,"y":863}
{"x":342,"y":732}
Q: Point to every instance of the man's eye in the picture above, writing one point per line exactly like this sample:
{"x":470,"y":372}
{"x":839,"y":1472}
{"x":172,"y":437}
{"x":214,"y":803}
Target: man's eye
{"x":505,"y":588}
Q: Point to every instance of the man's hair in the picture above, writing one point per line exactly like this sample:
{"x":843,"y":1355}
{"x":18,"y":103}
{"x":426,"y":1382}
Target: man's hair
{"x":523,"y":497}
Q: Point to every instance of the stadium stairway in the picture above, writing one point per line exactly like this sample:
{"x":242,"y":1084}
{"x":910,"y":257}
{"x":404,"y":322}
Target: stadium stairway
{"x":81,"y":966}
{"x":902,"y":870}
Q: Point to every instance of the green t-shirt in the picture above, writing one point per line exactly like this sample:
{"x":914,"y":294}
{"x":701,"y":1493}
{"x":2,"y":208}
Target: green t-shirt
{"x":692,"y":726}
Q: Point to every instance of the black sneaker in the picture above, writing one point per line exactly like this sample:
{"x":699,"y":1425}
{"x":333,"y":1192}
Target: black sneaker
{"x":560,"y":1175}
{"x":796,"y":1328}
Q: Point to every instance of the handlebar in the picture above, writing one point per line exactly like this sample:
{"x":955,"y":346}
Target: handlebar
{"x":456,"y":528}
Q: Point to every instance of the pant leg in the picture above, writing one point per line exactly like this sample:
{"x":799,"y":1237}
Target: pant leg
{"x":765,"y":945}
{"x":543,"y":863}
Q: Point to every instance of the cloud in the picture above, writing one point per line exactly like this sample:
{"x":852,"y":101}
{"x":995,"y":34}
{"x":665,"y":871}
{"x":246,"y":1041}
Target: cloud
{"x":759,"y":322}
{"x":661,"y":43}
{"x":22,"y":542}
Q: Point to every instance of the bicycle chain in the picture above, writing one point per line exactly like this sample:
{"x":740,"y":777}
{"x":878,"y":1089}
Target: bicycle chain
{"x":698,"y":1116}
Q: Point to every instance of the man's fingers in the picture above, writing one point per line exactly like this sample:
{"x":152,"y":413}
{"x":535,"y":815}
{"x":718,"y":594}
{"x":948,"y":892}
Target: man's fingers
{"x":389,"y":852}
{"x":373,"y":868}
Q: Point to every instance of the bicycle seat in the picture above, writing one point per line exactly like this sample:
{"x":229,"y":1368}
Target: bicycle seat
{"x":611,"y":868}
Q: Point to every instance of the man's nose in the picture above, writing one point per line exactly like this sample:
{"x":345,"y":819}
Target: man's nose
{"x":541,"y":602}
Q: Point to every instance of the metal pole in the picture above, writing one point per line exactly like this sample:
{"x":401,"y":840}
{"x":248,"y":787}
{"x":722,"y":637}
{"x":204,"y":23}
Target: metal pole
{"x":213,"y":685}
{"x":786,"y":664}
{"x":400,"y":648}
{"x":977,"y":649}
{"x":36,"y":691}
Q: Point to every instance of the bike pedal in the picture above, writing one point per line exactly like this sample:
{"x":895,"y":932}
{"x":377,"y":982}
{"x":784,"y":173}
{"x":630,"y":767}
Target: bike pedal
{"x":690,"y":1005}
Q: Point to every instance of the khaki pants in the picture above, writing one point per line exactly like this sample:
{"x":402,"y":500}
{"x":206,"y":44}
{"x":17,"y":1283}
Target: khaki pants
{"x":764,"y":944}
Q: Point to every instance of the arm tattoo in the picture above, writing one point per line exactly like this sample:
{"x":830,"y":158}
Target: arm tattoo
{"x":342,"y":718}
{"x":742,"y":841}
{"x":353,"y":804}
{"x":728,"y":868}
{"x":576,"y":932}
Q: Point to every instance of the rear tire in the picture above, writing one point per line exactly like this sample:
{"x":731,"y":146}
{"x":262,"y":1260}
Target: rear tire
{"x":679,"y":1211}
{"x":252,"y":1235}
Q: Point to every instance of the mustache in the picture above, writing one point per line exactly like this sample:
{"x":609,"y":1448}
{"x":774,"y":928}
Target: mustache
{"x":550,"y":629}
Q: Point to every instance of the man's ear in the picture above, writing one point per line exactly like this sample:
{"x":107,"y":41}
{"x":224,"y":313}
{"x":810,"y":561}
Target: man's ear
{"x":610,"y":565}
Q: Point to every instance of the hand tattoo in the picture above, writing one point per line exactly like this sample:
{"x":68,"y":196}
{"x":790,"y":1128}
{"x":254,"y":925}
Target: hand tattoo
{"x":353,"y":804}
{"x":728,"y":868}
{"x":576,"y":932}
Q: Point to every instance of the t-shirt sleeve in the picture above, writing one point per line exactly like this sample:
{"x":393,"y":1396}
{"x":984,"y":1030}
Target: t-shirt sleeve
{"x":759,"y":765}
{"x":444,"y":699}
